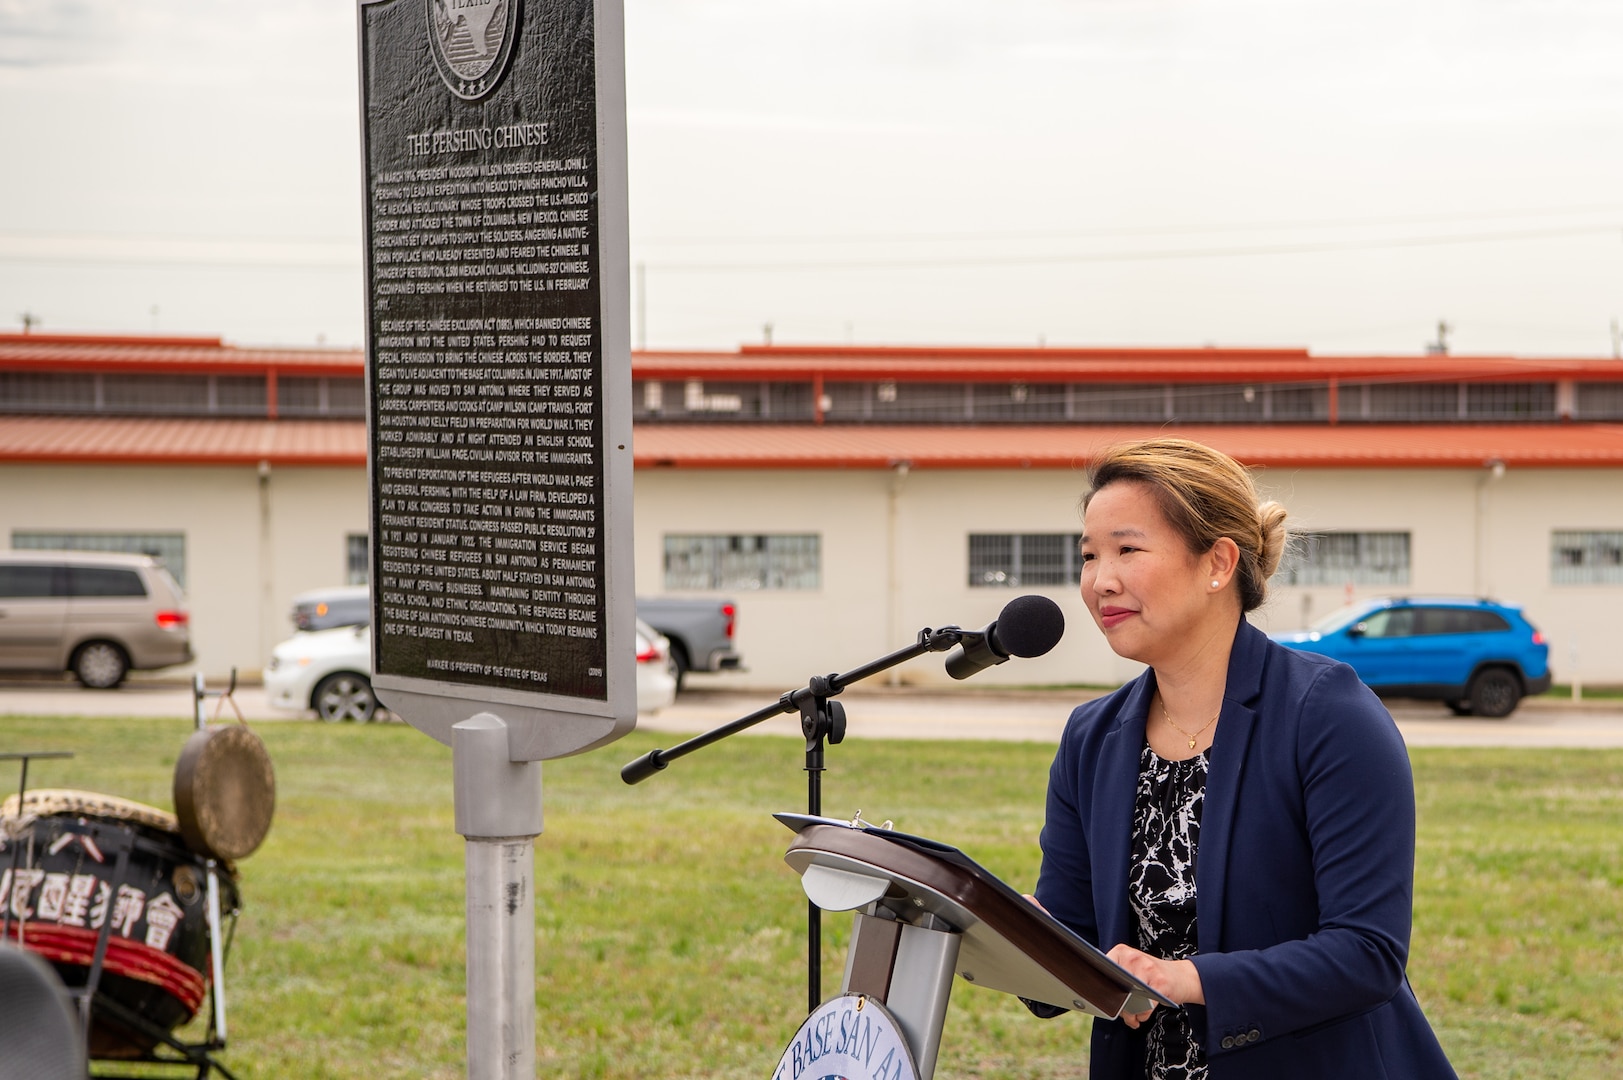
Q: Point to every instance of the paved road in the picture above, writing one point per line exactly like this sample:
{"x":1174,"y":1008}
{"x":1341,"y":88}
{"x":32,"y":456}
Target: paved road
{"x":885,"y":713}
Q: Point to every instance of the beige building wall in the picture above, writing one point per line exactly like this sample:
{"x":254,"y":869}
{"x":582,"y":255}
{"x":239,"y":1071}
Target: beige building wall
{"x":785,"y":637}
{"x":1471,"y":533}
{"x":894,"y":546}
{"x":253,"y":540}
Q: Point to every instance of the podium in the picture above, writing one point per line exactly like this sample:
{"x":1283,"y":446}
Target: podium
{"x":925,"y":911}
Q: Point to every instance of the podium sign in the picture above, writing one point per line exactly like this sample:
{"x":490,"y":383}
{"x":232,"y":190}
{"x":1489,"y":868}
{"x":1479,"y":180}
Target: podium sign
{"x":851,"y":1037}
{"x":498,"y":366}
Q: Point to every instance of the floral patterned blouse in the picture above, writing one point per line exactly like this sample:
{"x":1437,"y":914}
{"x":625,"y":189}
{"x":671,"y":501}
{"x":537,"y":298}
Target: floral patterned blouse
{"x":1161,"y":889}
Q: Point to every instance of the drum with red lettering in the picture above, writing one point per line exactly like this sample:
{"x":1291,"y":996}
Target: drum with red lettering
{"x":61,"y":887}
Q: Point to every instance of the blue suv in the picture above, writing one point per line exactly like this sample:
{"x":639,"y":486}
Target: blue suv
{"x":1477,"y":656}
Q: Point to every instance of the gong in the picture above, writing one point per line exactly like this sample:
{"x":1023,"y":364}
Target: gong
{"x":225,"y":791}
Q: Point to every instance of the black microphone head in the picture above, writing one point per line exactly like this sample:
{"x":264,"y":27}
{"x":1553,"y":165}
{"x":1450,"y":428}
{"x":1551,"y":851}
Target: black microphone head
{"x":1030,"y":626}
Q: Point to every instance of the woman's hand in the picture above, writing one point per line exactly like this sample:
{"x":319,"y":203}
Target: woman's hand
{"x":1177,"y":979}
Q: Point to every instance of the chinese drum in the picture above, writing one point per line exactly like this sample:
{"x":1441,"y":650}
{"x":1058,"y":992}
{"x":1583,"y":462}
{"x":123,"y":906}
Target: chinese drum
{"x":77,"y":865}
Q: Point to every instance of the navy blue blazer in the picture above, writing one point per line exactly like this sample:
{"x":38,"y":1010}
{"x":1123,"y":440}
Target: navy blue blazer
{"x":1304,"y":875}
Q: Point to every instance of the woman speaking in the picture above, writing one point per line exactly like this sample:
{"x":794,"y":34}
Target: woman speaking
{"x":1235,"y":826}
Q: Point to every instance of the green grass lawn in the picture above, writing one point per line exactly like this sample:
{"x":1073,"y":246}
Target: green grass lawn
{"x":670,"y":934}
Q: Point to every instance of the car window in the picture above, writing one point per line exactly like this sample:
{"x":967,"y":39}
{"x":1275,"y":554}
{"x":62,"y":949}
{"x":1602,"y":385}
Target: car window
{"x":1488,"y":622}
{"x":104,"y":581}
{"x":1441,"y":620}
{"x":1390,"y":623}
{"x":29,"y":580}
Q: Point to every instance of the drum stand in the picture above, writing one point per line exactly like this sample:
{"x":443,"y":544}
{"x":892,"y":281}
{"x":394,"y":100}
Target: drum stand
{"x":196,"y":1058}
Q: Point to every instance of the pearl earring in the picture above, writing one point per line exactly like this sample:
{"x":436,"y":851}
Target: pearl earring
{"x":1217,"y":584}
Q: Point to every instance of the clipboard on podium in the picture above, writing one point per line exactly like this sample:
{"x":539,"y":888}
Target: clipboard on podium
{"x":926,"y":911}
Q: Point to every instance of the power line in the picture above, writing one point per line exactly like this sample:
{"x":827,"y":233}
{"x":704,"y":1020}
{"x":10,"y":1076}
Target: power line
{"x":1135,"y":230}
{"x":347,"y":265}
{"x":1304,"y":248}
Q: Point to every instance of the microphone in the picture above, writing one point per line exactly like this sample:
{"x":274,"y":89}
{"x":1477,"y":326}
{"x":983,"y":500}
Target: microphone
{"x":1027,"y":626}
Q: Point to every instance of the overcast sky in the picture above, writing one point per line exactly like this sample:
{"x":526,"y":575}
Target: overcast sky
{"x":1283,"y":172}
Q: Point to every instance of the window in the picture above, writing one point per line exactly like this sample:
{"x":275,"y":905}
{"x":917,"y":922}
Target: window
{"x":169,"y":548}
{"x":722,"y":402}
{"x":104,"y":581}
{"x":1021,"y":560}
{"x":1390,"y":623}
{"x":1599,"y":401}
{"x":134,"y":395}
{"x":1510,"y":401}
{"x":1586,"y":558}
{"x":306,"y":396}
{"x":1453,"y":620}
{"x":1342,"y":558}
{"x":358,"y":559}
{"x":30,"y":581}
{"x":743,"y":562}
{"x":46,"y":392}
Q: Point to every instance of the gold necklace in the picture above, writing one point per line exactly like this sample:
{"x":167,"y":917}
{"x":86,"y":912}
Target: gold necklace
{"x":1188,"y":735}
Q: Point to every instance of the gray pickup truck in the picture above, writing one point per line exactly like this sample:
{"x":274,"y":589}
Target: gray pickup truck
{"x":700,"y":632}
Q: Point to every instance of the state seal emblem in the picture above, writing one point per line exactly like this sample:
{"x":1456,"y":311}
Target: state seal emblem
{"x":472,"y":41}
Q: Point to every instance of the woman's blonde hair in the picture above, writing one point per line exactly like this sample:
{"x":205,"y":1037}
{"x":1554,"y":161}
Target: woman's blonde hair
{"x":1204,"y":494}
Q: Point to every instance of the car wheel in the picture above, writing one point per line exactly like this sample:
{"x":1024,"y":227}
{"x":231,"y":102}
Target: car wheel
{"x":344,"y":696}
{"x":100,"y":665}
{"x":679,"y":665}
{"x":1494,"y":692}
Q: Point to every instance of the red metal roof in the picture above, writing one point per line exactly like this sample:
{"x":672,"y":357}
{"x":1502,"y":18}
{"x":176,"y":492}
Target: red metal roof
{"x":94,"y":440}
{"x":149,"y":441}
{"x":206,"y":355}
{"x":1298,"y":446}
{"x":168,"y":356}
{"x":1107,"y":365}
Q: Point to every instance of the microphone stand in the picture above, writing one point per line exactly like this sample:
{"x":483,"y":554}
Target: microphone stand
{"x":820,"y":720}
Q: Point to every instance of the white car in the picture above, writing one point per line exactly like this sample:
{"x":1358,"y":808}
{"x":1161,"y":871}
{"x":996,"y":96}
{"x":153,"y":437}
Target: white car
{"x":330,"y":671}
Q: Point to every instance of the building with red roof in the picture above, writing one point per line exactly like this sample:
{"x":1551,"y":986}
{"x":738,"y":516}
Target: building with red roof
{"x":847,"y":496}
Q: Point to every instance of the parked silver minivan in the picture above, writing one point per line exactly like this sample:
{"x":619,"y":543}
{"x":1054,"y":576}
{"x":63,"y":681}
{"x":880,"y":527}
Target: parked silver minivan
{"x":96,"y":614}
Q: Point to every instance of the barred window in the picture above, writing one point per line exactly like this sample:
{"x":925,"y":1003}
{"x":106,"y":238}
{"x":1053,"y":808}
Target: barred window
{"x":1510,"y":401}
{"x":298,"y":395}
{"x":1343,"y":558}
{"x":1586,"y":557}
{"x":357,"y":559}
{"x":713,"y":401}
{"x":1021,"y":560}
{"x":1599,"y":401}
{"x":1401,"y":401}
{"x":734,"y":562}
{"x":1114,"y":403}
{"x":167,"y":547}
{"x":46,"y":392}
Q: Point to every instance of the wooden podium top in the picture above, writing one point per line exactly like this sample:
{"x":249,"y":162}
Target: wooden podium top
{"x":1009,"y":943}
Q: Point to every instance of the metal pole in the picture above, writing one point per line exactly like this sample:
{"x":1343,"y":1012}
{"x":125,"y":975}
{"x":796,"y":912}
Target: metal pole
{"x":216,"y":954}
{"x":498,"y":812}
{"x":814,"y":914}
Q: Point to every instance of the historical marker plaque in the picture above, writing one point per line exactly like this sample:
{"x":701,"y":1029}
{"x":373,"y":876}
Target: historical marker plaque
{"x":499,"y":365}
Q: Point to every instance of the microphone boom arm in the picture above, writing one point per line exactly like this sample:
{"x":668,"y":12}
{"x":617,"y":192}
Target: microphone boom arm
{"x":797,"y":701}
